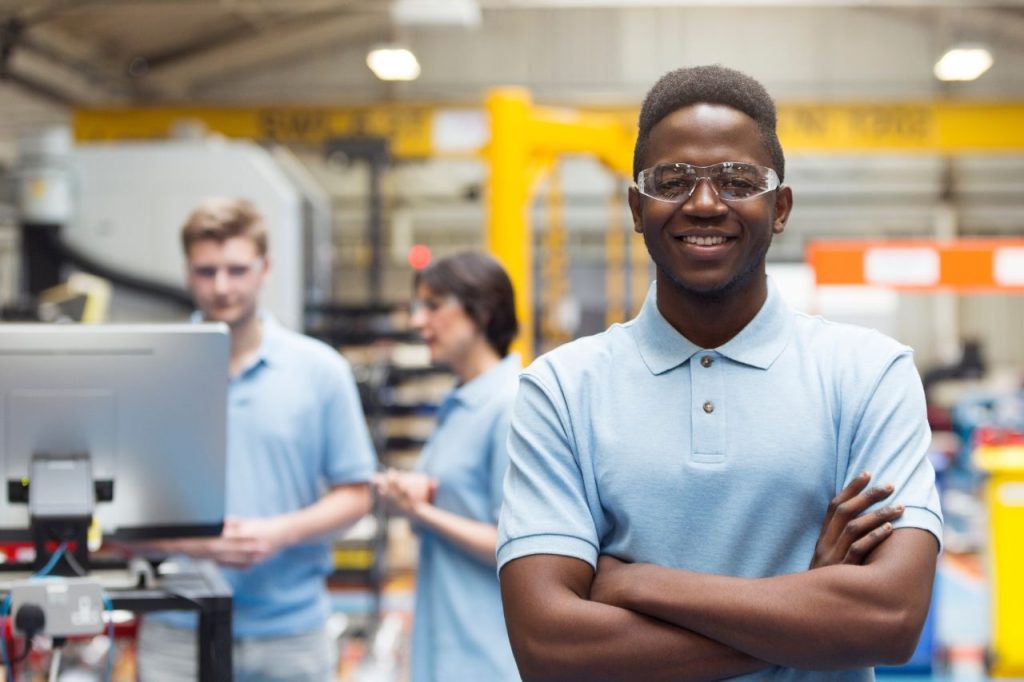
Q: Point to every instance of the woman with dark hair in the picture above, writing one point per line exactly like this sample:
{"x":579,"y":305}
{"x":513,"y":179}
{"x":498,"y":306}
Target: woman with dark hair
{"x":464,"y":309}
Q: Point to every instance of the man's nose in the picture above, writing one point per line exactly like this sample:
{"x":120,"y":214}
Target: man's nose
{"x":220,"y":280}
{"x":704,"y":199}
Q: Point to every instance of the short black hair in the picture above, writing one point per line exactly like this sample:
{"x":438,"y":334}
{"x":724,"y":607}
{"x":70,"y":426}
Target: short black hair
{"x":484,"y":290}
{"x":709,"y":85}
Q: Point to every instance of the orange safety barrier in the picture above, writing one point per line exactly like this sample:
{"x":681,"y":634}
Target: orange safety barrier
{"x":964,"y":265}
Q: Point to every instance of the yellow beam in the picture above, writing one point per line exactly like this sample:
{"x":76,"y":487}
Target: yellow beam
{"x":927,"y":127}
{"x":936,"y":127}
{"x":558,"y":131}
{"x":408,"y":127}
{"x":512,"y":172}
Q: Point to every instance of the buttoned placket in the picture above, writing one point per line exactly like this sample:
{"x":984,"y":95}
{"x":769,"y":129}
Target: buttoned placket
{"x":707,"y":411}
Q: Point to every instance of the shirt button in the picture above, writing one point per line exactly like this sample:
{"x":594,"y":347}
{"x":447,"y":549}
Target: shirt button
{"x":709,"y":407}
{"x":706,"y":361}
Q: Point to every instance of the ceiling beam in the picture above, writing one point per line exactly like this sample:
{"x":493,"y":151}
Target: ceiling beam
{"x":254,"y":18}
{"x":87,"y":60}
{"x":177,"y":79}
{"x":50,"y":80}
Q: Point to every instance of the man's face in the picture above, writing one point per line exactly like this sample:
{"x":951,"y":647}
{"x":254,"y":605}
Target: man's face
{"x":226,"y":278}
{"x":706,"y":245}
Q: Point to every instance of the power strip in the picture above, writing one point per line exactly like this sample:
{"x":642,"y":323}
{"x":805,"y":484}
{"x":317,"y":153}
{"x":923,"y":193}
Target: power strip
{"x":71,"y":606}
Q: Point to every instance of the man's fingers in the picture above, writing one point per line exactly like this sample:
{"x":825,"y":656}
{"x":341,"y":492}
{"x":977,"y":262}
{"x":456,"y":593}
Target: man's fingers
{"x":853,"y":488}
{"x":860,"y":549}
{"x":852,"y":508}
{"x":847,"y":493}
{"x":868,"y":523}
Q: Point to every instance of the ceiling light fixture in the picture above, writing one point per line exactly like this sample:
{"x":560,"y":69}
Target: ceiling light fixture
{"x":393,"y":63}
{"x":963,"y":63}
{"x":465,"y":13}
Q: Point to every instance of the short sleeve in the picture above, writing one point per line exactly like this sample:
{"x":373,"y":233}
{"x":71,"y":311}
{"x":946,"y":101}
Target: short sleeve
{"x":348,"y":455}
{"x":545,"y":507}
{"x":891,"y":440}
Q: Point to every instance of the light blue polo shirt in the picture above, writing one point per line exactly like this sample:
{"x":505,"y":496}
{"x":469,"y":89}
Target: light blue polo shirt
{"x":459,"y":629}
{"x":295,"y":428}
{"x":638,"y":443}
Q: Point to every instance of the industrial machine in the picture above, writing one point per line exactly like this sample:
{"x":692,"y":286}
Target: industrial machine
{"x":116,"y":210}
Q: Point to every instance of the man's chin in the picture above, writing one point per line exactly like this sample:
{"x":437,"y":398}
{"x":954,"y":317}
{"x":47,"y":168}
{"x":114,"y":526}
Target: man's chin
{"x":230,"y":318}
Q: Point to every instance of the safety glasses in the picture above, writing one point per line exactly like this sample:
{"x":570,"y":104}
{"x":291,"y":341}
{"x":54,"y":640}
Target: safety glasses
{"x":674,"y":183}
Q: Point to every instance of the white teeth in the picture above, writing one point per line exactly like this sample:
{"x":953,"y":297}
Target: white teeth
{"x":703,"y":241}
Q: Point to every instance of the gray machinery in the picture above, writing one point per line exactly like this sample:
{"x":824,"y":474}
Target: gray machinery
{"x":115,"y":209}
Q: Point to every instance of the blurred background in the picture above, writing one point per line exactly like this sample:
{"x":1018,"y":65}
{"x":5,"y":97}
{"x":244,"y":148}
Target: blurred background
{"x":377,"y":135}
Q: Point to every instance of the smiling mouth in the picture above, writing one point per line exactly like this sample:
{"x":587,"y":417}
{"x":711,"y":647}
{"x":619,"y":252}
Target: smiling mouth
{"x":701,"y":240}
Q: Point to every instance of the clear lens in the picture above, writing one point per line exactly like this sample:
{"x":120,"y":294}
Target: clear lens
{"x":432,"y":304}
{"x":732,"y":181}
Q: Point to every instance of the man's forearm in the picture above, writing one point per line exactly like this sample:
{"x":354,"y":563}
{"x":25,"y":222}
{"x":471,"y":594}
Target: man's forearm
{"x":558,"y":634}
{"x":827,"y":619}
{"x":597,"y":642}
{"x":339,"y":507}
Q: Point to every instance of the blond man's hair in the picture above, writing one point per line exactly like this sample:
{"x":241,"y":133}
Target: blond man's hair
{"x":220,"y":219}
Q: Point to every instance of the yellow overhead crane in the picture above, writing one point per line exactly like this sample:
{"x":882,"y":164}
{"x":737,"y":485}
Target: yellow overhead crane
{"x":943,"y":127}
{"x":526,"y":140}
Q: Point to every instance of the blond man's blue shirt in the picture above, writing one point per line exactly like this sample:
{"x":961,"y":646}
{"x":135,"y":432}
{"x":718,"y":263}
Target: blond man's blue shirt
{"x":640,"y":444}
{"x":295,"y":429}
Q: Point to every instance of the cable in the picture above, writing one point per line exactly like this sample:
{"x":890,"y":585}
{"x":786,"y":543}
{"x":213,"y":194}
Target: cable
{"x":55,"y":664}
{"x":8,"y":660}
{"x":75,"y":566}
{"x":24,"y":654}
{"x":110,"y":635}
{"x":45,"y":570}
{"x":4,"y":610}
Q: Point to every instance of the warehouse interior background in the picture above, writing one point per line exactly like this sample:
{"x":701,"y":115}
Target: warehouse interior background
{"x":117,"y":115}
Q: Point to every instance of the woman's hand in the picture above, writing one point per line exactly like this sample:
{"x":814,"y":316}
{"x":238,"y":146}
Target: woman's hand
{"x":405,"y":492}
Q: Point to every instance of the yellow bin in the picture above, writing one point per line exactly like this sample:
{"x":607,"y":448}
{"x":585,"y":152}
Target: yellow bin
{"x":1005,"y":497}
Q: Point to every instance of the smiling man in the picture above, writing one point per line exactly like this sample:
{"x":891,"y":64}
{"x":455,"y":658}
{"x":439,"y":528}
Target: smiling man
{"x":670,"y":478}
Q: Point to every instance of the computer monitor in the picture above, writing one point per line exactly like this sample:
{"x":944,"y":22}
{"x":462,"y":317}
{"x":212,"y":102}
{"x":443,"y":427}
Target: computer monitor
{"x":142,"y":407}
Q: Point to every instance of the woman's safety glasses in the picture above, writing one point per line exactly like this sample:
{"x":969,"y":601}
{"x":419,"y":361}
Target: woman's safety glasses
{"x":732,"y":181}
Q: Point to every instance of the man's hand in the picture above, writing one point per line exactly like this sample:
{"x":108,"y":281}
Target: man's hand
{"x":247,"y":542}
{"x":848,"y":535}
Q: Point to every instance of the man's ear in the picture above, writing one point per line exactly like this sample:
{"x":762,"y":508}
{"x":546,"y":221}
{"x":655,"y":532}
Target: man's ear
{"x":635,"y":209}
{"x":783,"y":206}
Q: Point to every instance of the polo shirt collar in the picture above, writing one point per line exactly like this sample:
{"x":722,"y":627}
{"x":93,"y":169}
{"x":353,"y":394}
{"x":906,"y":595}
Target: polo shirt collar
{"x":480,"y":389}
{"x":270,"y":345}
{"x":269,"y":351}
{"x":758,"y":344}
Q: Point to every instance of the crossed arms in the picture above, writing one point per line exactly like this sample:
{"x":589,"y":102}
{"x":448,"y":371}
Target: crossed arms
{"x":862,"y":602}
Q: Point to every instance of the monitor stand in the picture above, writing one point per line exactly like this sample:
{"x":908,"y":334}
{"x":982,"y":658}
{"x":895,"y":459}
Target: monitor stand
{"x":61,"y":499}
